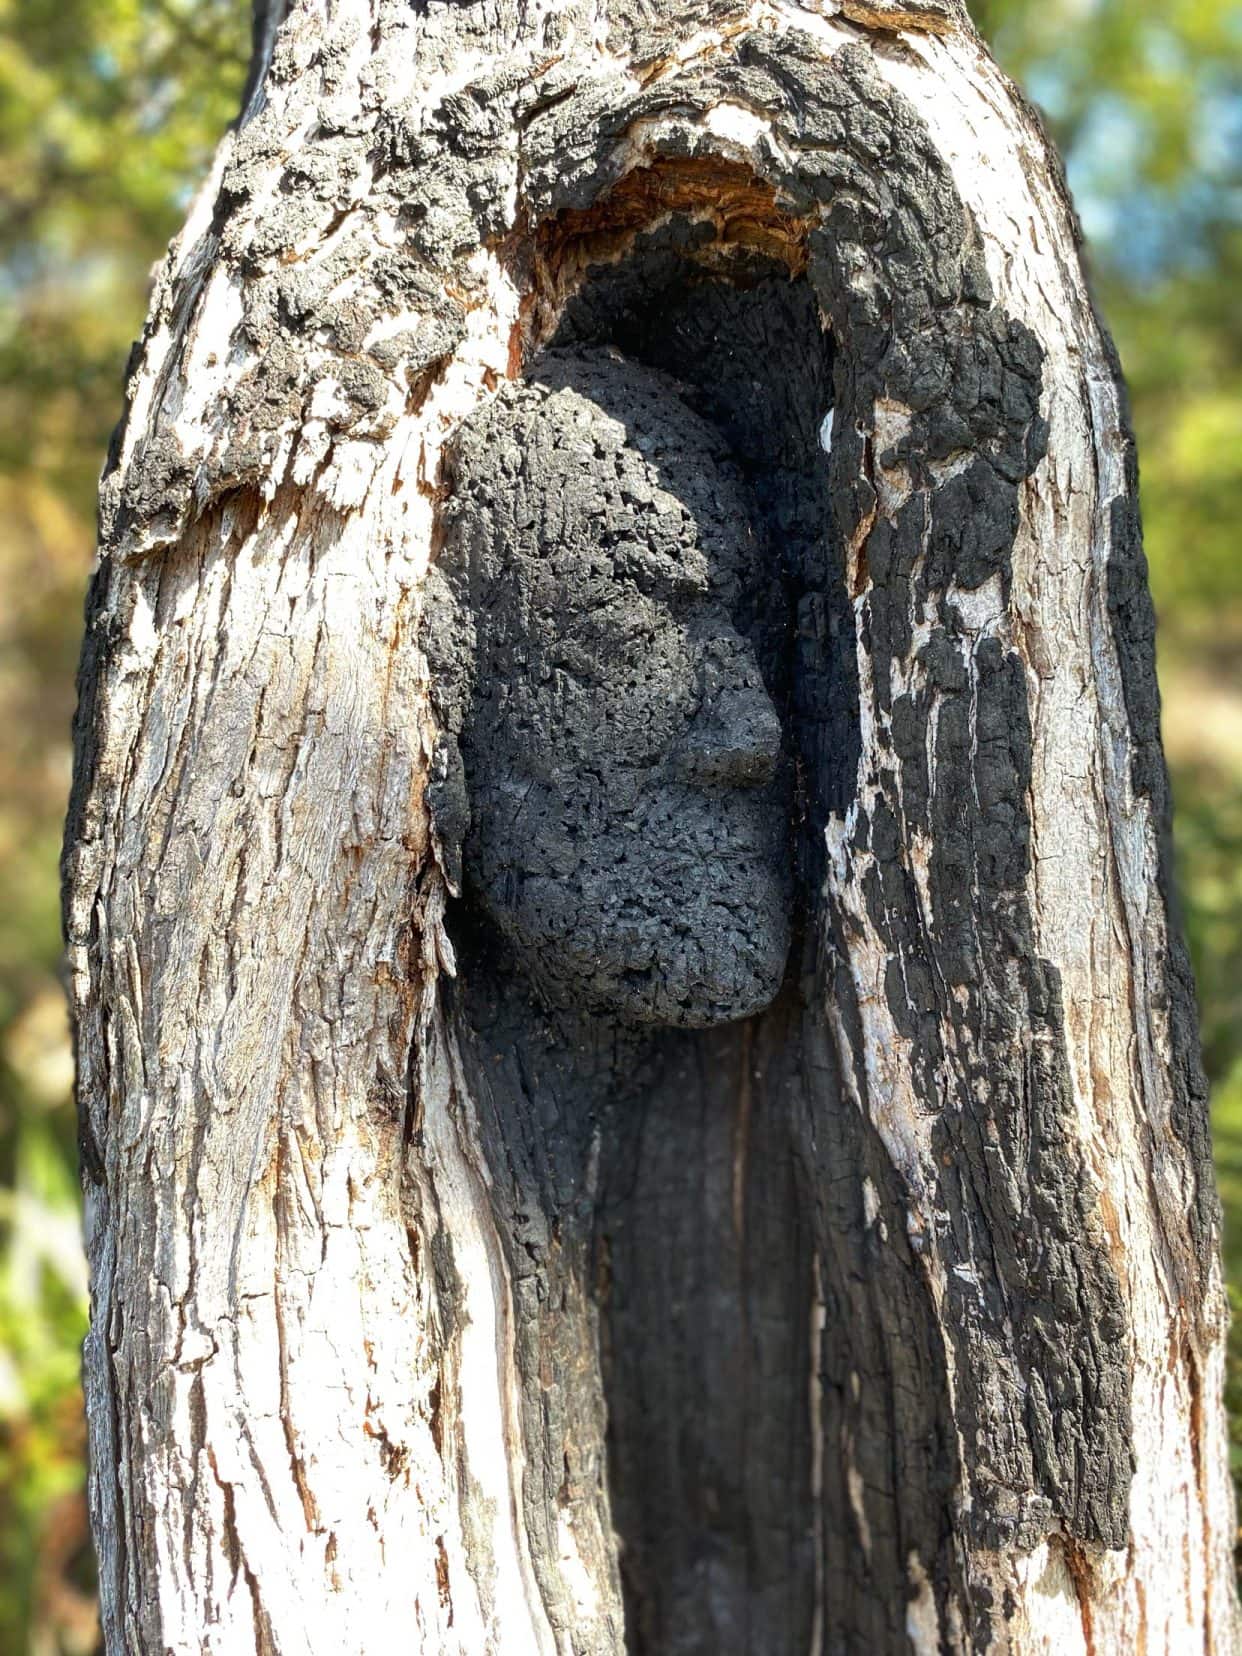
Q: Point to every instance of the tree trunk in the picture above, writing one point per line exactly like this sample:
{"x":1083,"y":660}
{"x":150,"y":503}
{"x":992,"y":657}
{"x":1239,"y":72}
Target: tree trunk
{"x":890,"y":1318}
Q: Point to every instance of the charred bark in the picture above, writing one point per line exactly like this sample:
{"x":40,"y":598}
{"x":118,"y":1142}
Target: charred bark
{"x":889,"y":1317}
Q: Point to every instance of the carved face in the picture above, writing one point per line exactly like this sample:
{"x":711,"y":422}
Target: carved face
{"x":628,"y":820}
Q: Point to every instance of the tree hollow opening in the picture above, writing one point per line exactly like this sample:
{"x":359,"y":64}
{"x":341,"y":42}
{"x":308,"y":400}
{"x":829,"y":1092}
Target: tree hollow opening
{"x":655,"y":1176}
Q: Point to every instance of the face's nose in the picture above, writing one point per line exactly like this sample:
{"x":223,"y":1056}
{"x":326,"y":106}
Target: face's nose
{"x":734,"y":742}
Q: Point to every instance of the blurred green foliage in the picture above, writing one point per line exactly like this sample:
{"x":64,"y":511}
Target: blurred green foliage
{"x":1145,"y":100}
{"x":109,"y":110}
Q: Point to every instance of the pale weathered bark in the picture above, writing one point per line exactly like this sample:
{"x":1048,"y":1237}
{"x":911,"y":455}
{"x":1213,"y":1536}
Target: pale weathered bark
{"x":958,"y":1178}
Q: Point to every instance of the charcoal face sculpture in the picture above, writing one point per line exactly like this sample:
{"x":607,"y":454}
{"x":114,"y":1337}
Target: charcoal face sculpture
{"x":617,"y":783}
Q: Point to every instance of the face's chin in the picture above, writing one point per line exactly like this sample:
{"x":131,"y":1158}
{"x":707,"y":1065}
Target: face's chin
{"x":731,"y":967}
{"x":673,"y":912}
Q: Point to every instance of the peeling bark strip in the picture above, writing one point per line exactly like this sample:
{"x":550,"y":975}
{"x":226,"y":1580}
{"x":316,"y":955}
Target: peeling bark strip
{"x":385,"y":1336}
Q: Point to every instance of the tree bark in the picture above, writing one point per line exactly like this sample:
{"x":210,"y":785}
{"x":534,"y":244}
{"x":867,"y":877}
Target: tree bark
{"x":941,"y":1306}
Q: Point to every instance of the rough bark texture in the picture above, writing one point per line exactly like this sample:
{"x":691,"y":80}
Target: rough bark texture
{"x":888,"y":1319}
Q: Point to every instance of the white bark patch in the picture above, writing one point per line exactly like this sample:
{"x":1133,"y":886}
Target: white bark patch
{"x":581,"y":1584}
{"x":871,"y":1202}
{"x":982,"y":609}
{"x":891,"y":423}
{"x":858,"y":1505}
{"x":734,"y":124}
{"x":922,"y":1617}
{"x":486,"y":1413}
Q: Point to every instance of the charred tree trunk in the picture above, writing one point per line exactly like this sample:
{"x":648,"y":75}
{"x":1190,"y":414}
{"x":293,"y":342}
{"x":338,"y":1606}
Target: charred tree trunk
{"x":889,"y":1318}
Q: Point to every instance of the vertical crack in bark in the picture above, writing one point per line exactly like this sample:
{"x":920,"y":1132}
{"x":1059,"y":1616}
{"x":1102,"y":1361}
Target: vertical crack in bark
{"x":1081,"y":1574}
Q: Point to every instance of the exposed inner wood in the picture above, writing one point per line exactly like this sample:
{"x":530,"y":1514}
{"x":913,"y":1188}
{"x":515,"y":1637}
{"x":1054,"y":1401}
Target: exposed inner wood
{"x":742,"y":209}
